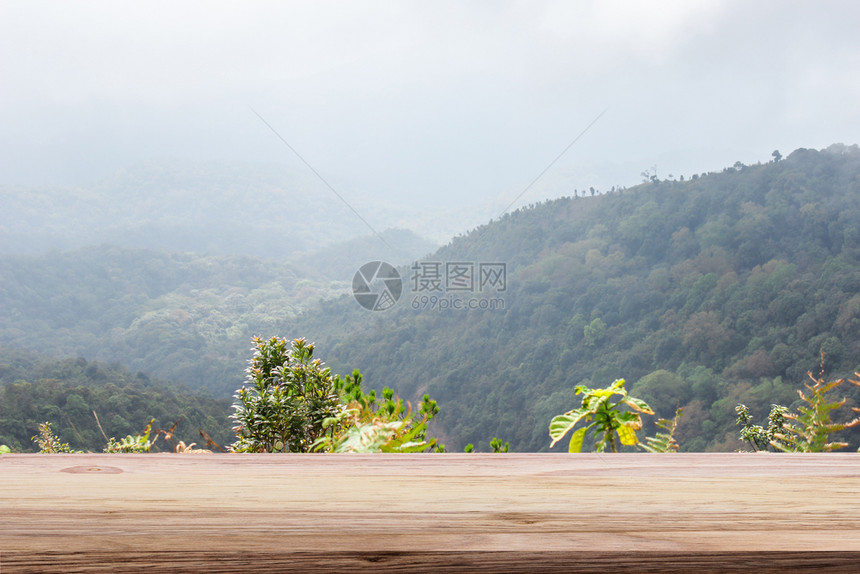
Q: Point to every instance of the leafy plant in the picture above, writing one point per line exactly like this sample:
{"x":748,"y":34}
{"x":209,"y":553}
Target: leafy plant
{"x":5,"y":449}
{"x":498,"y":446}
{"x":138,"y":443}
{"x":49,"y":443}
{"x":286,"y":401}
{"x":366,"y":425}
{"x":375,"y":435}
{"x":607,"y":419}
{"x":664,"y":441}
{"x":808,"y":429}
{"x":758,"y":437}
{"x":856,"y":383}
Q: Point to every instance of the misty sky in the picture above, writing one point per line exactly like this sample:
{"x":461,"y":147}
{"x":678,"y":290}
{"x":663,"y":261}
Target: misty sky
{"x":435,"y":104}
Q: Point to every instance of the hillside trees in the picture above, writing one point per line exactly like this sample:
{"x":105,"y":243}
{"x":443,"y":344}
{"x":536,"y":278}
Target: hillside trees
{"x":742,"y":300}
{"x":176,"y":316}
{"x":733,"y":282}
{"x":35,"y":389}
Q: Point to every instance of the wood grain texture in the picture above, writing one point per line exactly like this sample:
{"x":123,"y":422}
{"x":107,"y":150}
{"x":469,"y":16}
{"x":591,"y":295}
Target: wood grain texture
{"x":430,"y":513}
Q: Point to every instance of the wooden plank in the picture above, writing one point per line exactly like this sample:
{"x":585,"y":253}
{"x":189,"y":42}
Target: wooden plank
{"x":430,"y":513}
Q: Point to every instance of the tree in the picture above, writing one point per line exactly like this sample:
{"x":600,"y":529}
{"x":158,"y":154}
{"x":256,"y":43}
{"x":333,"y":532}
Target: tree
{"x":286,"y":399}
{"x":594,"y":332}
{"x":663,"y":391}
{"x":758,"y":437}
{"x":607,"y":419}
{"x":776,"y":155}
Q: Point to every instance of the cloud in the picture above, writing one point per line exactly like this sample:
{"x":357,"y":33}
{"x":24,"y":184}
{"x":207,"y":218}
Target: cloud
{"x":416,"y":101}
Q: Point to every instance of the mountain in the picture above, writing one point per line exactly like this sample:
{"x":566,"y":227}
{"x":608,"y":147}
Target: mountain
{"x":702,"y":292}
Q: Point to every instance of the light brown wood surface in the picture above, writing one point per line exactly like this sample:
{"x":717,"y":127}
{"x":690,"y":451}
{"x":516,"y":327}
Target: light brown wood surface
{"x":430,"y":513}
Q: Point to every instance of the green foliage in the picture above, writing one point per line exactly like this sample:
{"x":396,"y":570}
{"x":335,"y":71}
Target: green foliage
{"x":469,"y":448}
{"x":758,"y":437}
{"x":5,"y":449}
{"x":49,"y":443}
{"x":663,"y":391}
{"x":594,"y":332}
{"x":498,"y":446}
{"x":730,"y":281}
{"x":809,"y":429}
{"x":176,"y":316}
{"x":364,"y":433}
{"x":288,"y":401}
{"x":66,"y":392}
{"x":138,"y":443}
{"x":607,"y":419}
{"x":367,"y":425}
{"x":664,"y":441}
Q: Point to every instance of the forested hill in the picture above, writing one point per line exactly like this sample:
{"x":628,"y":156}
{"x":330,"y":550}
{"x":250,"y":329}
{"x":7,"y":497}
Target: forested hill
{"x":83,"y":399}
{"x":177,"y":316}
{"x":701,"y":293}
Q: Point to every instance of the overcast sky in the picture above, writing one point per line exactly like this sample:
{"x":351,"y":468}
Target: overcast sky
{"x":425,"y":103}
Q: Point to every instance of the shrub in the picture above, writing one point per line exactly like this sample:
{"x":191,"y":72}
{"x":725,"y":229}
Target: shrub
{"x":49,"y":443}
{"x":286,"y":400}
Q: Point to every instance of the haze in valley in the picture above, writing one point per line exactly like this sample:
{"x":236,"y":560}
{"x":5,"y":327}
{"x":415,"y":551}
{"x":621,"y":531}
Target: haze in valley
{"x":430,"y":116}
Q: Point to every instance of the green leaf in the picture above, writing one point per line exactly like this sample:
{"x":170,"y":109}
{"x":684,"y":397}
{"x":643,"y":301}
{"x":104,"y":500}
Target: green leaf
{"x":632,"y":420}
{"x":561,"y":424}
{"x":576,"y":440}
{"x":637,"y":405}
{"x":616,"y":386}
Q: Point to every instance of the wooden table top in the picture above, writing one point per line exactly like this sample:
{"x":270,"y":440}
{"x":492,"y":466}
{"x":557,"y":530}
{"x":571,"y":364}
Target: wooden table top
{"x":430,"y":513}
